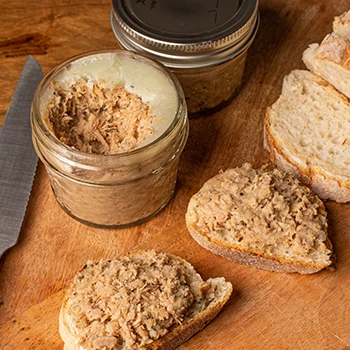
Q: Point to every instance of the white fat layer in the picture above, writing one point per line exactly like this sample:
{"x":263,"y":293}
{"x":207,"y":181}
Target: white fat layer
{"x":109,"y":70}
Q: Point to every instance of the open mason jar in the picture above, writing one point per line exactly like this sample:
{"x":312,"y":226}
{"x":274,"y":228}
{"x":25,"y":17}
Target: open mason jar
{"x":205,"y":43}
{"x":119,"y":189}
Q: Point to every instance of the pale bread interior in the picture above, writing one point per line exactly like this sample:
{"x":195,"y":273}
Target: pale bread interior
{"x":310,"y":125}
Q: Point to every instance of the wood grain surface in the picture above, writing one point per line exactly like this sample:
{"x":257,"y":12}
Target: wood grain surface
{"x":267,"y":310}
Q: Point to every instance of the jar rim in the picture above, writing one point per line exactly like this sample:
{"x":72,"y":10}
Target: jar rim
{"x":187,"y":55}
{"x":39,"y":125}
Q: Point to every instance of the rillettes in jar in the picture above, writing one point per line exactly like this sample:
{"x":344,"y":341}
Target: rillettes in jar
{"x":205,"y":43}
{"x":130,"y":185}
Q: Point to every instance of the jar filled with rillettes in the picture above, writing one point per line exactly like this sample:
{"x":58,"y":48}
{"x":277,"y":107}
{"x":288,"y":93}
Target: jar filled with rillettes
{"x":109,"y":127}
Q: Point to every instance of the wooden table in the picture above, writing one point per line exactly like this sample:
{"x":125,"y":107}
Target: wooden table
{"x":267,"y":310}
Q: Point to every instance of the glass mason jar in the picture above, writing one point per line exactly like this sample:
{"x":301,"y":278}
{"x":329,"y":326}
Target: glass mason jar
{"x":205,"y":43}
{"x":114,"y":190}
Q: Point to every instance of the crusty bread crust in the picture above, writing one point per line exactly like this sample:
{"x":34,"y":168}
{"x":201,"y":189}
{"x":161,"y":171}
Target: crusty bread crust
{"x":324,"y":187}
{"x":246,"y":258}
{"x":331,"y":61}
{"x":335,"y":49}
{"x":176,"y":336}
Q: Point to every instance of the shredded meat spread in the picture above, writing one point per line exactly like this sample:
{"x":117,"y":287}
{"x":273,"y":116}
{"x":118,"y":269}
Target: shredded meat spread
{"x":99,"y":120}
{"x":264,"y":211}
{"x":130,"y":302}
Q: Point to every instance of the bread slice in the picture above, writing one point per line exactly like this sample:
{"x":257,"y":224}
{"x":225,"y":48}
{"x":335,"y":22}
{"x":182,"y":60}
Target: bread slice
{"x":341,"y":25}
{"x":307,"y":131}
{"x":145,"y":300}
{"x":264,"y":218}
{"x":331,"y":61}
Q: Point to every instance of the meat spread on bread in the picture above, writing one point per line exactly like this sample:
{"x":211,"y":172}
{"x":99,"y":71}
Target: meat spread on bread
{"x":145,"y":300}
{"x":261,"y":217}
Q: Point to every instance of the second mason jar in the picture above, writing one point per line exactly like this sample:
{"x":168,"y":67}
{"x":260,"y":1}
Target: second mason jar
{"x":205,"y":43}
{"x":87,"y":102}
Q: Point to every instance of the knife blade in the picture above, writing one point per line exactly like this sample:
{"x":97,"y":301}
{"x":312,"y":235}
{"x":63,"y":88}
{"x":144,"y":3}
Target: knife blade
{"x":18,"y":160}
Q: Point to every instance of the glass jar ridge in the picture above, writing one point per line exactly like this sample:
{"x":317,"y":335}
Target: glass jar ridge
{"x":112,"y":190}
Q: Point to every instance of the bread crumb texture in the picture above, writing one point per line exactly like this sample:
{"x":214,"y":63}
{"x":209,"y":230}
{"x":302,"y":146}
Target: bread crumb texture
{"x":130,"y":302}
{"x":265,"y":212}
{"x":93,"y":119}
{"x":310,"y":126}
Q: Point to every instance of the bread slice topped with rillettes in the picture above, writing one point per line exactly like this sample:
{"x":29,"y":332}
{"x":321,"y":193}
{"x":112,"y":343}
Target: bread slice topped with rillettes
{"x":261,"y":217}
{"x":145,"y":300}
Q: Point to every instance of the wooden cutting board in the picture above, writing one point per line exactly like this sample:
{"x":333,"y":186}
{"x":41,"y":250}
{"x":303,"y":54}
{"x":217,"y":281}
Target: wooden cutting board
{"x":267,"y":310}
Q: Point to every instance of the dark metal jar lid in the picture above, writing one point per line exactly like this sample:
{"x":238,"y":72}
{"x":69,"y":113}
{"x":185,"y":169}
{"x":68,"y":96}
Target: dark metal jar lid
{"x":181,"y":32}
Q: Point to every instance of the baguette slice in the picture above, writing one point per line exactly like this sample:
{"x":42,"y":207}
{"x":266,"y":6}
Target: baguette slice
{"x":341,"y":25}
{"x":264,"y":218}
{"x":145,"y":300}
{"x":307,"y":131}
{"x":331,"y":61}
